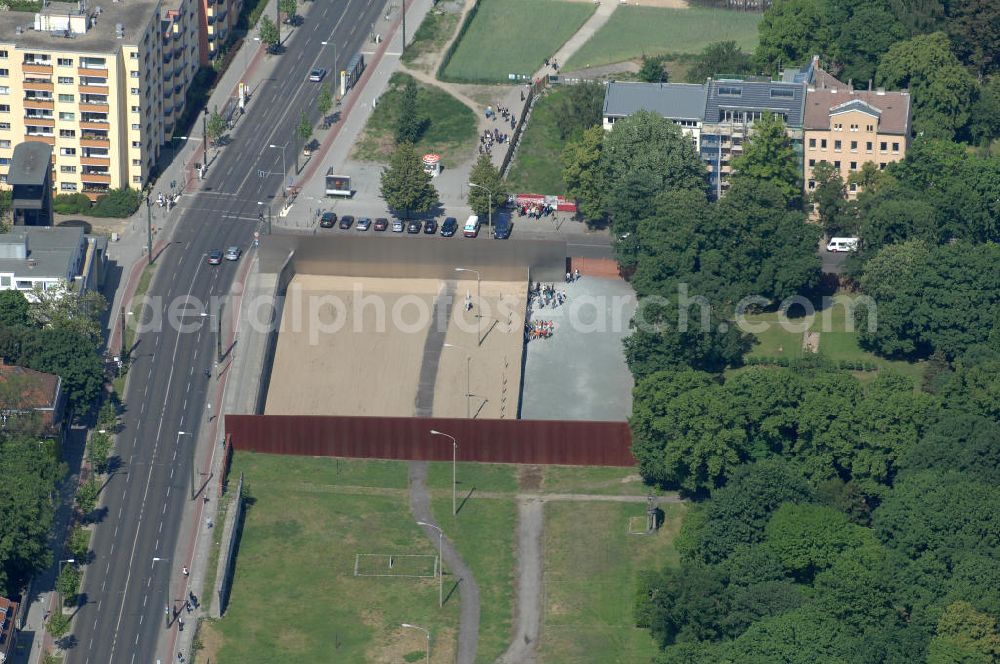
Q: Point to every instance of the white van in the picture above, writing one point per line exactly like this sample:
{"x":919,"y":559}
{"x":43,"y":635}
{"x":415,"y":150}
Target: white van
{"x":842,"y":244}
{"x":471,"y":227}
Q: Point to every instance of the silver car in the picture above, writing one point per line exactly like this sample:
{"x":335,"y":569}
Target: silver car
{"x":233,"y":253}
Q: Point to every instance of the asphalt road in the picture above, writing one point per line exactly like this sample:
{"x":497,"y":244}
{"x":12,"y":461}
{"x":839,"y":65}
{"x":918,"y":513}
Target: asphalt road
{"x":126,"y":592}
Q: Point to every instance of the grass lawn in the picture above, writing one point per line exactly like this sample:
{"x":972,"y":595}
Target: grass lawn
{"x":514,"y":37}
{"x":294,"y":595}
{"x":836,"y":342}
{"x":634,"y":31}
{"x":484,"y":533}
{"x":595,"y":480}
{"x":537,"y":167}
{"x":435,"y":31}
{"x":590,"y":571}
{"x":451,"y":132}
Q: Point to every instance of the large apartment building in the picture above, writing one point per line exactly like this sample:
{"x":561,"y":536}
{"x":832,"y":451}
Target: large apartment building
{"x":103,"y":83}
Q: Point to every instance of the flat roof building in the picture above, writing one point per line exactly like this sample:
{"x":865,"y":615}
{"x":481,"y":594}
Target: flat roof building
{"x":30,"y":179}
{"x":50,"y":257}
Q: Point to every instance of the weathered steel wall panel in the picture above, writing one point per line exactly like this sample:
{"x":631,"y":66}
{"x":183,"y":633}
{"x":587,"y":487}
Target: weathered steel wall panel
{"x":575,"y":443}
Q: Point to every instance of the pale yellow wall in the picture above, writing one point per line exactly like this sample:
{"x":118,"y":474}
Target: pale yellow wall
{"x":871,"y":145}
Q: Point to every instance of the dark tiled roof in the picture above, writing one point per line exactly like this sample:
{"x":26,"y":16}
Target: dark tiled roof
{"x":676,"y":101}
{"x":29,"y":164}
{"x":892,"y":108}
{"x":775,"y":96}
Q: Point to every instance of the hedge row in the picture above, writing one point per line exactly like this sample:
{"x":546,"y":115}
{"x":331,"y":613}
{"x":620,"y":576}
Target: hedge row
{"x":814,"y":361}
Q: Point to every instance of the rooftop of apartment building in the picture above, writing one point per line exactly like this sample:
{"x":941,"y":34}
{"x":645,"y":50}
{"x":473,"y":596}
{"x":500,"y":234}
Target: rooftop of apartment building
{"x":98,"y":26}
{"x":37,"y":390}
{"x":44,"y":252}
{"x":30,"y":164}
{"x":677,"y":101}
{"x":827,"y":96}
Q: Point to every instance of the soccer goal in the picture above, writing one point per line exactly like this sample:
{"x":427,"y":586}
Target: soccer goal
{"x":406,"y":565}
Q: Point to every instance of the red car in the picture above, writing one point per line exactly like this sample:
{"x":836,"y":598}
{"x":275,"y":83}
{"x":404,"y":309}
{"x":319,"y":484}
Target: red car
{"x":381,"y":224}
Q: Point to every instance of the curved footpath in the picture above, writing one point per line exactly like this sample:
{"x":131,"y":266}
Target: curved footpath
{"x":468,"y":614}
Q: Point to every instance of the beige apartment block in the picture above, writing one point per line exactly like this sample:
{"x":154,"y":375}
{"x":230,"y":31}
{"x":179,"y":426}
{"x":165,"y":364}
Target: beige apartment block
{"x":217,"y":20}
{"x":848,"y":128}
{"x":102,"y":82}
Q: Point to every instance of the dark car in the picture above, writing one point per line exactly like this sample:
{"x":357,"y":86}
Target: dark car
{"x":364,"y":223}
{"x":346,"y":221}
{"x":328,"y":220}
{"x":413,"y":226}
{"x":215,"y":257}
{"x":381,"y":224}
{"x":431,"y":227}
{"x":449,"y":227}
{"x":503,"y":226}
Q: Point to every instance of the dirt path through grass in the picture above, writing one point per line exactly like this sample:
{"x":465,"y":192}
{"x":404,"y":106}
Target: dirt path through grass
{"x":468,"y":617}
{"x":528,"y":601}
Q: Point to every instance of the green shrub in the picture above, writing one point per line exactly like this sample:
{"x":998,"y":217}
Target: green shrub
{"x":71,"y":204}
{"x":59,"y":625}
{"x":119,"y":203}
{"x":86,"y":496}
{"x":98,"y":450}
{"x":68,"y":583}
{"x":79,"y":544}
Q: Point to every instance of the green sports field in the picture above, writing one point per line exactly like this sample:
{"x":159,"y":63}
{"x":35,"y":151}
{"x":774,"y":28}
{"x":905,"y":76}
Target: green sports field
{"x":634,"y":31}
{"x":514,"y":37}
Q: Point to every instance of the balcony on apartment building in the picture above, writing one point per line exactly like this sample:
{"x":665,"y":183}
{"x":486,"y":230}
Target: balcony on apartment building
{"x":94,"y":86}
{"x":97,"y":121}
{"x":93,"y":67}
{"x":94,"y":103}
{"x":96,"y":188}
{"x":38,"y":84}
{"x":94,"y":139}
{"x":38,"y":100}
{"x":33,"y":64}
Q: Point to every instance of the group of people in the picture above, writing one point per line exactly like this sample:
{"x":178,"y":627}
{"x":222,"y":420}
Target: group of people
{"x":488,"y":138}
{"x":575,"y":276}
{"x":538,"y":329}
{"x":546,"y":295}
{"x":552,"y":63}
{"x":164,"y":200}
{"x":535,"y":210}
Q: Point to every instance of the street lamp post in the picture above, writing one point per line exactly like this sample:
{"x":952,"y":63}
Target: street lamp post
{"x":204,"y":135}
{"x":489,"y":210}
{"x":218,"y":333}
{"x":440,"y":560}
{"x":468,"y":376}
{"x":59,"y":594}
{"x":187,"y":433}
{"x":454,"y":463}
{"x":479,"y":303}
{"x":428,"y":633}
{"x":261,"y":203}
{"x":149,"y":231}
{"x":166,"y":607}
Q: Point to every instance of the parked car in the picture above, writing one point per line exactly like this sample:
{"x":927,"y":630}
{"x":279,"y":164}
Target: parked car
{"x":233,"y":253}
{"x":431,"y":227}
{"x":502,"y":226}
{"x":346,"y":221}
{"x":397,"y":225}
{"x":449,"y":226}
{"x":471,"y":228}
{"x":328,"y":220}
{"x":838,"y":244}
{"x":364,"y":223}
{"x":413,"y":226}
{"x":317,"y":75}
{"x":381,"y":224}
{"x":215,"y":257}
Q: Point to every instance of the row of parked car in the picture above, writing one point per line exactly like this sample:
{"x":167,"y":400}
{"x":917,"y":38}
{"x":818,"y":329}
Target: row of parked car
{"x":448,"y":227}
{"x":413,"y":226}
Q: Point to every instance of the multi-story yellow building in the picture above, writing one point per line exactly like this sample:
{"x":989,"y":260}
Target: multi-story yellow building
{"x":848,"y":128}
{"x":101,"y":83}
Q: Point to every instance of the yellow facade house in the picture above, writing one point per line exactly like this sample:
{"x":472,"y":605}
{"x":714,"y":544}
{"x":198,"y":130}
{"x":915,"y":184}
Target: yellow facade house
{"x":848,"y":128}
{"x":90,"y":79}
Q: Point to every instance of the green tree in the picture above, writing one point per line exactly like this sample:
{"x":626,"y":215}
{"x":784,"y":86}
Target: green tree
{"x":118,"y":203}
{"x":215,"y":126}
{"x":581,"y":172}
{"x":288,"y":7}
{"x":86,"y":496}
{"x":68,"y":583}
{"x":654,"y":69}
{"x":942,"y":89}
{"x":78,"y":203}
{"x":268,"y":33}
{"x":30,"y":471}
{"x":78,"y":544}
{"x":324,"y":101}
{"x":769,"y":156}
{"x":829,"y":196}
{"x":59,"y":624}
{"x":984,"y":121}
{"x":964,"y":442}
{"x":719,"y":59}
{"x":809,"y":538}
{"x":5,"y":200}
{"x":579,"y":107}
{"x":406,"y":187}
{"x":14,"y":309}
{"x":410,"y":125}
{"x":71,"y":355}
{"x":485,"y":174}
{"x":965,"y":636}
{"x":791,"y":32}
{"x":64,"y":309}
{"x":861,"y":34}
{"x":98,"y":450}
{"x":974,"y":28}
{"x":304,"y":129}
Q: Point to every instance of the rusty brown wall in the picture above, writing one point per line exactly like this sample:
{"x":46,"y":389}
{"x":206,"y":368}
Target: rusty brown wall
{"x":595,"y":267}
{"x":574,"y":443}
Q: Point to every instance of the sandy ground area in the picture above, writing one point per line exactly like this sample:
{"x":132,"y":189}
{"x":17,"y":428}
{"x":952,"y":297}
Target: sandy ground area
{"x":350,"y":346}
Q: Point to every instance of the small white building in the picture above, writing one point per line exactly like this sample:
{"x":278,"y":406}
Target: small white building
{"x":49,"y":257}
{"x":682,"y":103}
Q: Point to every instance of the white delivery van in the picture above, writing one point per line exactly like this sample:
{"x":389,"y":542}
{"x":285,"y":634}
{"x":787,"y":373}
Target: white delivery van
{"x":842,"y":244}
{"x":471,"y":227}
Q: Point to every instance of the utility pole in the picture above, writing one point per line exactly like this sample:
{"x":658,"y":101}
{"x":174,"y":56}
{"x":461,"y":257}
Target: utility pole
{"x":403,"y":50}
{"x":204,"y":137}
{"x":218,"y":335}
{"x":122,"y":354}
{"x":277,"y":23}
